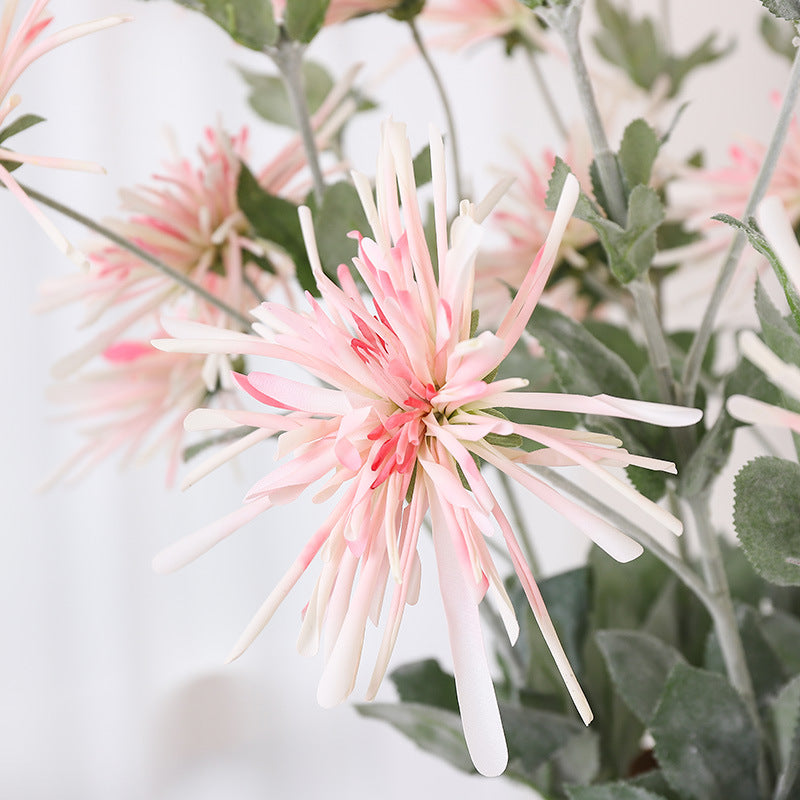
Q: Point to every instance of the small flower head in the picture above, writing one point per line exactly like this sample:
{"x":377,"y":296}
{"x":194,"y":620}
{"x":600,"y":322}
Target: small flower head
{"x":406,"y":411}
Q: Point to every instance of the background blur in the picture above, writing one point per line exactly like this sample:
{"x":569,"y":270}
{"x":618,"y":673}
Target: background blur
{"x":112,"y":683}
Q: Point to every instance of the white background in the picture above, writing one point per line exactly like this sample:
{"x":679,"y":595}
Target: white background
{"x":111,"y":678}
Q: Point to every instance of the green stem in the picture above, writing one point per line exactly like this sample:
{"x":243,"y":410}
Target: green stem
{"x":544,"y":91}
{"x":288,"y":57}
{"x":518,"y":521}
{"x":694,"y":359}
{"x":448,"y":112}
{"x":107,"y":233}
{"x":724,"y":618}
{"x":657,"y":345}
{"x":682,"y":571}
{"x":567,"y":20}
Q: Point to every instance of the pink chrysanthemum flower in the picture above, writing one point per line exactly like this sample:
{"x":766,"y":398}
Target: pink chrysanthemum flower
{"x":17,"y":52}
{"x":475,"y":21}
{"x":135,"y":403}
{"x":777,"y":228}
{"x":406,"y":411}
{"x":699,"y":194}
{"x":524,"y":221}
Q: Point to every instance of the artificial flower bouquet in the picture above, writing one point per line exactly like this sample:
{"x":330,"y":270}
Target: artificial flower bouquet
{"x":418,"y":358}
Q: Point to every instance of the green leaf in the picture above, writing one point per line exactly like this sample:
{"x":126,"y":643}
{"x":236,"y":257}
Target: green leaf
{"x":422,"y":166}
{"x":20,"y":124}
{"x":585,"y":209}
{"x":760,"y":245}
{"x":567,"y":597}
{"x":637,"y":152}
{"x":639,"y":665}
{"x":534,"y":737}
{"x":269,"y":99}
{"x":784,"y":9}
{"x":786,"y":725}
{"x":275,"y":220}
{"x":434,"y":730}
{"x":425,"y":683}
{"x":610,"y":791}
{"x":704,"y":738}
{"x":778,"y":35}
{"x":766,"y":513}
{"x":782,"y":631}
{"x":584,"y":365}
{"x":715,"y":447}
{"x":305,"y":18}
{"x":248,"y":22}
{"x":194,"y":450}
{"x":705,"y":53}
{"x":780,"y":336}
{"x":341,"y":213}
{"x":632,"y":252}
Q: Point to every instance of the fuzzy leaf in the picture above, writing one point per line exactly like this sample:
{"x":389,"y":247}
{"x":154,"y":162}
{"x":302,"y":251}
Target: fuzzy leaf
{"x":305,"y":18}
{"x":425,"y":683}
{"x":705,"y":741}
{"x":766,"y":514}
{"x":778,"y":35}
{"x":637,"y":152}
{"x":639,"y":665}
{"x":248,"y":22}
{"x":269,"y":99}
{"x":786,"y":724}
{"x":610,"y":791}
{"x":760,"y":245}
{"x":783,"y":9}
{"x":632,"y":252}
{"x":275,"y":220}
{"x":434,"y":730}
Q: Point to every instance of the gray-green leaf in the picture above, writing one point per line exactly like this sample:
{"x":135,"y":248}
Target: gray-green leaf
{"x":784,"y":9}
{"x":767,"y":517}
{"x":637,"y":152}
{"x":705,"y":741}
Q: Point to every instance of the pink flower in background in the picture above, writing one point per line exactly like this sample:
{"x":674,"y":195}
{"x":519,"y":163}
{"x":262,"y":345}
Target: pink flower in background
{"x":524,"y":222}
{"x":17,"y":52}
{"x":135,"y":403}
{"x":404,"y":412}
{"x":474,"y":21}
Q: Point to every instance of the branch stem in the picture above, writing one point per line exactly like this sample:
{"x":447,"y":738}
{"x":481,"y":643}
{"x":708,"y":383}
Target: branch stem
{"x":694,"y":359}
{"x":446,"y":107}
{"x":657,"y":346}
{"x":150,"y":259}
{"x":567,"y":20}
{"x":288,"y":58}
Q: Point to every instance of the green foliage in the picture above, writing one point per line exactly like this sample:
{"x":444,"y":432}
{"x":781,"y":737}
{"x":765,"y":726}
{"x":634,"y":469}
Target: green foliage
{"x":305,"y":18}
{"x":766,"y":514}
{"x":406,"y":10}
{"x":783,"y":9}
{"x":705,"y":741}
{"x":785,"y":719}
{"x":760,"y":245}
{"x":629,"y":250}
{"x":248,"y":22}
{"x":778,"y":35}
{"x":20,"y":124}
{"x":427,"y":683}
{"x":639,"y":665}
{"x":635,"y":46}
{"x":637,"y":152}
{"x":340,"y":214}
{"x":269,"y":99}
{"x":194,"y":450}
{"x":434,"y":730}
{"x":610,"y":791}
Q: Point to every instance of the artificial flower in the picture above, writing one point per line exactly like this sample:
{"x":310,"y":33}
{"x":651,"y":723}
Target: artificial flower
{"x":405,"y":409}
{"x":17,"y":52}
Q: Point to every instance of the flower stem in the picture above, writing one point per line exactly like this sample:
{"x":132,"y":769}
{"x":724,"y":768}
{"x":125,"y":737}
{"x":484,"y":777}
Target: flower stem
{"x":107,"y":233}
{"x":518,"y":520}
{"x":544,"y":91}
{"x":567,"y":20}
{"x":448,"y":112}
{"x":682,"y":570}
{"x":694,"y":359}
{"x":642,"y":292}
{"x":288,"y":57}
